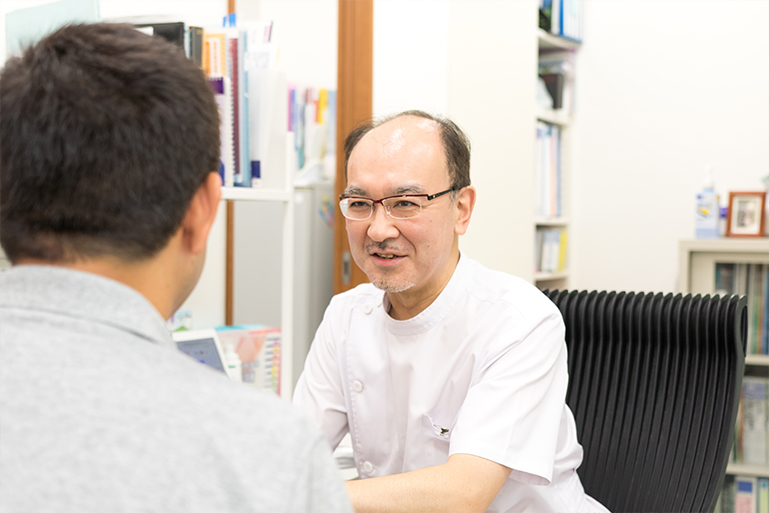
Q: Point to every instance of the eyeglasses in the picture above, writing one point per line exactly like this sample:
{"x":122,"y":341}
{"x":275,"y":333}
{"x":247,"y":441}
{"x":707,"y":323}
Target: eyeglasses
{"x":401,"y":206}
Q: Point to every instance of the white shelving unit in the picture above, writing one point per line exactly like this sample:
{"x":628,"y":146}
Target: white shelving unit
{"x":548,"y":41}
{"x":697,"y":264}
{"x":555,"y":117}
{"x":562,"y":119}
{"x":545,"y":221}
{"x":735,"y":469}
{"x":207,"y":300}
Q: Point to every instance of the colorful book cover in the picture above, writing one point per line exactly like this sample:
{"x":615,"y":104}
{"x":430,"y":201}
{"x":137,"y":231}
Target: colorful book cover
{"x":745,"y":494}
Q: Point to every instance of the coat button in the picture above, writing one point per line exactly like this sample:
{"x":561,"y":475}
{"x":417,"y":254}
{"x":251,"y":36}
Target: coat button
{"x":367,"y":309}
{"x":357,"y":386}
{"x":368,"y":467}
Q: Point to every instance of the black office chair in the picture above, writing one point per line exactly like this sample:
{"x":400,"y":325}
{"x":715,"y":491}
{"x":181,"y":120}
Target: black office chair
{"x":654,"y":385}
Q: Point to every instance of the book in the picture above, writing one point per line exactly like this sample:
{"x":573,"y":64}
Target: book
{"x":727,"y":497}
{"x":745,"y":494}
{"x":763,"y":500}
{"x":222,"y":95}
{"x":214,"y":55}
{"x":550,"y":249}
{"x":548,"y":170}
{"x":259,"y":349}
{"x":562,"y":18}
{"x":195,"y":51}
{"x":173,"y":32}
{"x":562,"y":250}
{"x":750,"y":280}
{"x":754,"y":423}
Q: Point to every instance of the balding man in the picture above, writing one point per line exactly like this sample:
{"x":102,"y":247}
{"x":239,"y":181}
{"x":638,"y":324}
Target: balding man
{"x":451,"y":378}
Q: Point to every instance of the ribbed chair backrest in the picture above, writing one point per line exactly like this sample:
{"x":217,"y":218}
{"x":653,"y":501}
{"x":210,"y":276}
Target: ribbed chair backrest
{"x":654,"y":386}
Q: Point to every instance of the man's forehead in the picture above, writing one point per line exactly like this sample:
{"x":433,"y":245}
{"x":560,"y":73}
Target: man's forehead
{"x":406,"y":188}
{"x":398,"y":131}
{"x":408,"y":141}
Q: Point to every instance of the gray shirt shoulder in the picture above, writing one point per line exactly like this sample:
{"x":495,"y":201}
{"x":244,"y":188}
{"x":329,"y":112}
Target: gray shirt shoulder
{"x":100,"y":412}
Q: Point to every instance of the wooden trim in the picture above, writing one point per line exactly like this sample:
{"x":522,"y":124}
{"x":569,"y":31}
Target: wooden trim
{"x":229,"y":252}
{"x":354,"y":105}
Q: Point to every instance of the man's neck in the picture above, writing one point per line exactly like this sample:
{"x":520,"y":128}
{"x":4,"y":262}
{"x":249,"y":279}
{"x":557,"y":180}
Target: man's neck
{"x":146,"y":277}
{"x":410,"y":303}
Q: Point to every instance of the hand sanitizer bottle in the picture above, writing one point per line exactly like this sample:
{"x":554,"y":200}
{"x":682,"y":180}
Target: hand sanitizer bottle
{"x":233,"y":363}
{"x":707,"y":210}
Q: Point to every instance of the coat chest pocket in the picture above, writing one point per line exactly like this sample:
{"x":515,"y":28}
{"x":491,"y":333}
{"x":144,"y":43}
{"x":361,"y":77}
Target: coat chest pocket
{"x":436,"y":438}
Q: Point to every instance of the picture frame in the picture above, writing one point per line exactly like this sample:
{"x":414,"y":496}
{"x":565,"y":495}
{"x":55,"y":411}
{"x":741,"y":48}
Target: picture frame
{"x":746,"y":214}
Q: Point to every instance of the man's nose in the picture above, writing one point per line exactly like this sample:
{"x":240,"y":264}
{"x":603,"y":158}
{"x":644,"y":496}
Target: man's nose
{"x":381,"y":225}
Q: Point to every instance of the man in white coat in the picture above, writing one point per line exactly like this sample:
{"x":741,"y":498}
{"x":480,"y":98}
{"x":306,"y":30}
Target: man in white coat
{"x":451,"y":378}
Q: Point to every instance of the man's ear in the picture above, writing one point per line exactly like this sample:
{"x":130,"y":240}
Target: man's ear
{"x":464,"y":203}
{"x":201,"y":214}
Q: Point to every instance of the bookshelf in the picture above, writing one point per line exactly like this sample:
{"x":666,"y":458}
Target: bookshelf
{"x":698,"y":266}
{"x":555,"y":274}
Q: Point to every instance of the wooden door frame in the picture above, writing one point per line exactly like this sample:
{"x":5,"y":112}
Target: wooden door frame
{"x":354,"y":105}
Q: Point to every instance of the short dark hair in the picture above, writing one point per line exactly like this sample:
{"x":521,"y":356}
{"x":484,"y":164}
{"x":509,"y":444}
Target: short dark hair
{"x":106,"y":134}
{"x":457,"y":146}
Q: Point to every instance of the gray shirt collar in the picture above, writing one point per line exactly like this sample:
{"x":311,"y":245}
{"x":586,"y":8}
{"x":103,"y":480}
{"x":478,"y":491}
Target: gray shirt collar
{"x":78,"y":294}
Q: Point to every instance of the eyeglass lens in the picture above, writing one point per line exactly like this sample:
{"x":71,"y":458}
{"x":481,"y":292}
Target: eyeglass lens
{"x":399,"y":208}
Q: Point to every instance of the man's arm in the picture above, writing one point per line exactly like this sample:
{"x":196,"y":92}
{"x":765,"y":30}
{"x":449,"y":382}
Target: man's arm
{"x":319,"y":389}
{"x":465,"y":483}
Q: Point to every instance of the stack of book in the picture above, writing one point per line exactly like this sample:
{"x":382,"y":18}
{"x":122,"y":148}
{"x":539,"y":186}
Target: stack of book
{"x":750,"y":446}
{"x":550,"y":250}
{"x":313,"y":121}
{"x":548,"y":171}
{"x":240,"y":61}
{"x":556,"y":69}
{"x":259,"y":349}
{"x":562,"y":18}
{"x":750,"y":280}
{"x":743,"y":494}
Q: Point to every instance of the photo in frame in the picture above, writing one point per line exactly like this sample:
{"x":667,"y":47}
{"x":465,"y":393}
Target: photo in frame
{"x":746,"y":214}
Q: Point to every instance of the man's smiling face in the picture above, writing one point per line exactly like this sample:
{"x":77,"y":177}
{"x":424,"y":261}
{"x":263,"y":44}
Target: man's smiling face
{"x":411,"y":256}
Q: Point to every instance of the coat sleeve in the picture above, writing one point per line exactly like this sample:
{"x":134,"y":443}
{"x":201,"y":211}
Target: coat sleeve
{"x":319,"y":391}
{"x":515,"y":404}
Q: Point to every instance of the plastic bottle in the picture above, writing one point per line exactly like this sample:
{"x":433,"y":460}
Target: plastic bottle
{"x":707,"y":210}
{"x":233,"y":363}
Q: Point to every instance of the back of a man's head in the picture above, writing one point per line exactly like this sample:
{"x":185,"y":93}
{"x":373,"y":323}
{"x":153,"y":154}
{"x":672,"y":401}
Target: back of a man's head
{"x":106,"y":134}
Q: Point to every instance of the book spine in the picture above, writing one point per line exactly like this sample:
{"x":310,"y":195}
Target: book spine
{"x":755,"y":421}
{"x":196,"y":45}
{"x":763,"y":500}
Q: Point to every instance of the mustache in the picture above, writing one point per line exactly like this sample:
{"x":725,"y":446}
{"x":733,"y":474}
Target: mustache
{"x":380,"y":247}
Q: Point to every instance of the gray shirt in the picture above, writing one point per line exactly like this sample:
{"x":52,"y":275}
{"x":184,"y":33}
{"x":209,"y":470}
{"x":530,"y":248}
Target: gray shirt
{"x":100,"y":412}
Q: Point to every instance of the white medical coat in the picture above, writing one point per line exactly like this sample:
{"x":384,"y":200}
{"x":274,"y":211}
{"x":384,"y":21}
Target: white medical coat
{"x":481,"y":371}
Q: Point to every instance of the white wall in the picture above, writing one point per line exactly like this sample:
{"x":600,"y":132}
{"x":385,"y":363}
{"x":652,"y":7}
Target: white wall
{"x":410,"y":56}
{"x":464,"y":59}
{"x":493,"y":65}
{"x":664,"y":89}
{"x":306,"y":31}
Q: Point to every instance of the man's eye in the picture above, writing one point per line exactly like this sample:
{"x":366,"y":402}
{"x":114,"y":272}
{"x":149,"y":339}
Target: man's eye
{"x":405,"y":203}
{"x":358,"y":204}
